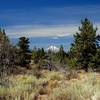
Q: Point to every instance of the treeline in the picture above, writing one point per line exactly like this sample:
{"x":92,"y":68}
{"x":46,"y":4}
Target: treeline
{"x":83,"y":54}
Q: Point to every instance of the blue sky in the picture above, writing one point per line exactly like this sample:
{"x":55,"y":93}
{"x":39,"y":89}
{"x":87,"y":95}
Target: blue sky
{"x":19,"y":12}
{"x":27,"y":4}
{"x":47,"y":18}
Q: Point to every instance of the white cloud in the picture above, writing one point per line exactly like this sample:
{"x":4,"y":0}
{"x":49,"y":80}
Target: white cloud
{"x":98,"y":27}
{"x":41,"y":30}
{"x":55,"y":31}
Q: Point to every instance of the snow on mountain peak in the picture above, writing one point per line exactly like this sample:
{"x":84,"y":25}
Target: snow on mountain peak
{"x":53,"y":49}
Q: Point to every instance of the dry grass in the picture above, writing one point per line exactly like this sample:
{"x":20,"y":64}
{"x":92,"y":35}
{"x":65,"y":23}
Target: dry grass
{"x":54,"y":85}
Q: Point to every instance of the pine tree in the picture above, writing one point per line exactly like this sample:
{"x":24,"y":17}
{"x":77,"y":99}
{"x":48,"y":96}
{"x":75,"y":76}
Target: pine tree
{"x":84,"y":46}
{"x":24,"y":51}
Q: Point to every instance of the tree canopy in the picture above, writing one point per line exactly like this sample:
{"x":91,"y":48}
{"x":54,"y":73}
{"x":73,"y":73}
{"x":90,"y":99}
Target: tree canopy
{"x":85,"y":44}
{"x":24,"y":51}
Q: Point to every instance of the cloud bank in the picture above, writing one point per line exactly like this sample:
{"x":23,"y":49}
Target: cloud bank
{"x":53,"y":31}
{"x":41,"y":31}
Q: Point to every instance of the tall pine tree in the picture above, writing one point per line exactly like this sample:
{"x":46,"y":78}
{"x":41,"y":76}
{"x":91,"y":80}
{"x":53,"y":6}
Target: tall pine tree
{"x":24,"y":51}
{"x":84,"y":46}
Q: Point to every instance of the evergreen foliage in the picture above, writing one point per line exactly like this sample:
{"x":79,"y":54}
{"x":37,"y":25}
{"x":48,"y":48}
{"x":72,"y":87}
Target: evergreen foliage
{"x":85,"y":44}
{"x":24,"y":51}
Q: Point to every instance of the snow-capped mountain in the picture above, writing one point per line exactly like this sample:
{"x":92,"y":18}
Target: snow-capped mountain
{"x":53,"y":49}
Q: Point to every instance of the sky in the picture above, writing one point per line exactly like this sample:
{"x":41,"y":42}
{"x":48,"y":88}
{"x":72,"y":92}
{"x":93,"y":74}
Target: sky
{"x":51,"y":19}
